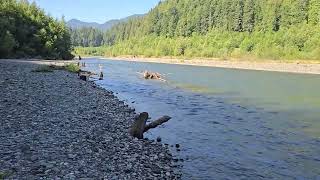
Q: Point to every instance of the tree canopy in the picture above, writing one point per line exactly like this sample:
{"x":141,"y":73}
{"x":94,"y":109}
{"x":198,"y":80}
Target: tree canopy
{"x":288,"y":29}
{"x":26,"y":31}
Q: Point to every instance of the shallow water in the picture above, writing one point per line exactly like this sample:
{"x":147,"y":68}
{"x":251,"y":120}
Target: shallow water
{"x":231,"y":124}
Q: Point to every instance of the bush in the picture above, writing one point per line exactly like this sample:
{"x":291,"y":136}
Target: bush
{"x":74,"y":68}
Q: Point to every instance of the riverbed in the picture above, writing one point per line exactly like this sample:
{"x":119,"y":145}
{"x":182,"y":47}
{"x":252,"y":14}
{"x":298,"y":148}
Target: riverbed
{"x":230,"y":124}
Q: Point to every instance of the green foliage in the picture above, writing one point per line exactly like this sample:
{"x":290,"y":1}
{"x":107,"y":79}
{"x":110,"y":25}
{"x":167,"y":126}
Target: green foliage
{"x":26,"y":31}
{"x":314,"y":12}
{"x":5,"y":175}
{"x":74,"y":68}
{"x":2,"y":175}
{"x":7,"y":44}
{"x":294,"y":43}
{"x":87,"y":37}
{"x":268,"y":29}
{"x":89,"y":51}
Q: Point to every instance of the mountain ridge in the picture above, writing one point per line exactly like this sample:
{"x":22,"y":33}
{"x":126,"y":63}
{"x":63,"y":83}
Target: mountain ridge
{"x":78,"y":24}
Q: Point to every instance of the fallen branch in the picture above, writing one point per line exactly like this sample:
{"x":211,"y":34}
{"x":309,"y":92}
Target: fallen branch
{"x":139,"y":126}
{"x":157,"y":123}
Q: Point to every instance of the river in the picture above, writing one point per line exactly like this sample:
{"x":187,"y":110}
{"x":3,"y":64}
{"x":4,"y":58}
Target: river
{"x":230,"y":124}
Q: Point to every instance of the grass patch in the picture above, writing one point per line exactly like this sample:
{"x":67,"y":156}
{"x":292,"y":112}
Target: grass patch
{"x":4,"y":175}
{"x":73,"y":68}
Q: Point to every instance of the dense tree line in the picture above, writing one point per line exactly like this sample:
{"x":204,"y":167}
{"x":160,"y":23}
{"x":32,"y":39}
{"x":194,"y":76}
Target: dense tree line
{"x":92,"y":37}
{"x":26,"y":31}
{"x":221,"y":28}
{"x":87,"y":37}
{"x":172,"y":18}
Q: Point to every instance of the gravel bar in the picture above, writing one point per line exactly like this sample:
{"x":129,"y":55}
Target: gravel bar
{"x":55,"y":126}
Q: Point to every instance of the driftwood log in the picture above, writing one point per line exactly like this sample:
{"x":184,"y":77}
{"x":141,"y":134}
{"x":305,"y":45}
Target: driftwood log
{"x":140,"y":125}
{"x":85,"y":75}
{"x":151,"y":75}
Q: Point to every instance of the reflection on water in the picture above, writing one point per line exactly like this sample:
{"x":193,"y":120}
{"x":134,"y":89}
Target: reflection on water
{"x":231,"y":124}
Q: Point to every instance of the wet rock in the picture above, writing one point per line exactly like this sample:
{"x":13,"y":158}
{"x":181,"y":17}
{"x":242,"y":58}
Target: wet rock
{"x":159,"y":139}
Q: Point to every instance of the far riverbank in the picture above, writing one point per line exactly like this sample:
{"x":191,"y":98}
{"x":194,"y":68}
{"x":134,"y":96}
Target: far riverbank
{"x":301,"y":67}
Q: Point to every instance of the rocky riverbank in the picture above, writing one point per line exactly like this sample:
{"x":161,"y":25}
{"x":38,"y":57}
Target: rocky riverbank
{"x":55,"y":126}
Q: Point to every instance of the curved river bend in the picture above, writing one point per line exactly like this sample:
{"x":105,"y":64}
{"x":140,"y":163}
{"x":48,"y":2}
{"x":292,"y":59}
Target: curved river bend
{"x":231,"y":124}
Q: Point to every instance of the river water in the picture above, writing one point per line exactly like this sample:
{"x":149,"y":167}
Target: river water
{"x":230,"y":124}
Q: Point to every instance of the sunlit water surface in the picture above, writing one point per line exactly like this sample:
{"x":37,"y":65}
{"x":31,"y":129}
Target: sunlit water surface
{"x":230,"y":124}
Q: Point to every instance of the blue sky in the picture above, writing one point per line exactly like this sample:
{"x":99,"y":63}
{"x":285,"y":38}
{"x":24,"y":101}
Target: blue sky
{"x":95,"y":10}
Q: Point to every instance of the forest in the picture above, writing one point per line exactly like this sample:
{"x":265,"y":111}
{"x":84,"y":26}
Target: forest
{"x":258,"y":29}
{"x":26,"y":31}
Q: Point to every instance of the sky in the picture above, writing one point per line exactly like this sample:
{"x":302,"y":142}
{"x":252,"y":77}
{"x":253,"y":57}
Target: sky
{"x":98,"y":11}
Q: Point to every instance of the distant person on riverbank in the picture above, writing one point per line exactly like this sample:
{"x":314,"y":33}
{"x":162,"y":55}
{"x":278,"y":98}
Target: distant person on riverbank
{"x":80,"y":58}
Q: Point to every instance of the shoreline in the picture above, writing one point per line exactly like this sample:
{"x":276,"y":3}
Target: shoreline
{"x":57,"y":126}
{"x":298,"y":67}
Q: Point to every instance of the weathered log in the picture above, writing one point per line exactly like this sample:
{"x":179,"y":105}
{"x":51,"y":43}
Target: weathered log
{"x":84,"y":77}
{"x":139,"y":126}
{"x":88,"y":73}
{"x":151,"y":75}
{"x":137,"y":129}
{"x":157,"y":123}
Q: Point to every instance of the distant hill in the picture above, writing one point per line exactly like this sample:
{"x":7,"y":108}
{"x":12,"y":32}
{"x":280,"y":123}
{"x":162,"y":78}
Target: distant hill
{"x":76,"y":24}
